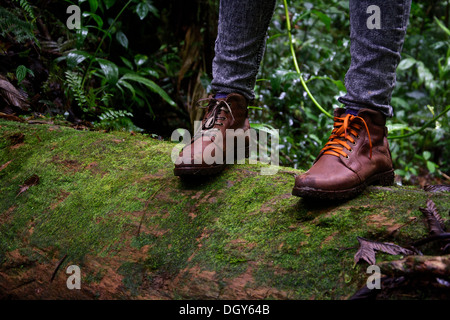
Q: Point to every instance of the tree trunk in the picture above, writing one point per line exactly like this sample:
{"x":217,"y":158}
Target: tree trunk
{"x":109,"y":204}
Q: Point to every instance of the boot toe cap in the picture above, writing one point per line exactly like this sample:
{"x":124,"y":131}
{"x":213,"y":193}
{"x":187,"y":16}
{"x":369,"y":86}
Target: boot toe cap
{"x":327,"y":182}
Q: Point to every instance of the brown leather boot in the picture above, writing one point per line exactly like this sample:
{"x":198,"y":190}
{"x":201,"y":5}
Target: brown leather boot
{"x":207,"y":153}
{"x":356,"y":155}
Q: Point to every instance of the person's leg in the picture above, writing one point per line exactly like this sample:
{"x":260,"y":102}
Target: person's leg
{"x":239,"y":48}
{"x":377,"y":31}
{"x":240,"y":45}
{"x":357,"y":153}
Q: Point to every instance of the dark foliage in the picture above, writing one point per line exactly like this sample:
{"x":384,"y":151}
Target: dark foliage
{"x":142,"y":65}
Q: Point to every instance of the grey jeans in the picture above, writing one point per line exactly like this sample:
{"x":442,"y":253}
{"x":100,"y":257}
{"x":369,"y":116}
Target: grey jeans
{"x":377,"y":32}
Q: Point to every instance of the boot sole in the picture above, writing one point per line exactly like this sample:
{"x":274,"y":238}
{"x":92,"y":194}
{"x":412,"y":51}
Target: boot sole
{"x":383,"y":179}
{"x":198,"y":171}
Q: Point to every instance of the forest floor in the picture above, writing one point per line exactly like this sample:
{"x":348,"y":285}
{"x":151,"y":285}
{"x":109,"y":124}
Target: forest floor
{"x":110,"y":204}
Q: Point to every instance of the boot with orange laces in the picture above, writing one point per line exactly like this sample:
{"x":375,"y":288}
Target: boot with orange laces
{"x":356,"y":155}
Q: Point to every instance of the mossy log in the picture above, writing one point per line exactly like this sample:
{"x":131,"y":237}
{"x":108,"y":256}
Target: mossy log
{"x":110,"y":204}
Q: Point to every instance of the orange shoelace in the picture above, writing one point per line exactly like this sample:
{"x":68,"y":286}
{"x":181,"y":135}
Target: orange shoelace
{"x":345,"y":129}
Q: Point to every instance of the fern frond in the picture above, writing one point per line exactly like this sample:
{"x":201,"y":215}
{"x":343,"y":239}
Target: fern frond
{"x":11,"y":24}
{"x":114,"y":114}
{"x":117,"y":120}
{"x":73,"y":81}
{"x":26,"y":7}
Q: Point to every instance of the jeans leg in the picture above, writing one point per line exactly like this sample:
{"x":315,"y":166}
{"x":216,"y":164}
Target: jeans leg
{"x":240,"y":45}
{"x":377,"y":32}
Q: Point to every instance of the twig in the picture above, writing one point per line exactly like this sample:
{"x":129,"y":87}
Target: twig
{"x":444,"y":175}
{"x":427,"y":124}
{"x":297,"y":68}
{"x":442,"y":236}
{"x":403,"y":225}
{"x":57,"y":267}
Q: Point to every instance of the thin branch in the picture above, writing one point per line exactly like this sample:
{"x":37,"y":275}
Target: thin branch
{"x":294,"y":58}
{"x":57,"y":267}
{"x":427,"y":124}
{"x":442,"y":236}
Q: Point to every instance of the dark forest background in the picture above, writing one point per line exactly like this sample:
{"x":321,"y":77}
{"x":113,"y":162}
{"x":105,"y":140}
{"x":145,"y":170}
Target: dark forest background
{"x":141,"y":65}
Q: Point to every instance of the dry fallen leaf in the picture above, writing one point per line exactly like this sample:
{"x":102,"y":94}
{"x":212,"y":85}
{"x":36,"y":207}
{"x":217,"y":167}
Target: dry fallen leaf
{"x":10,"y":117}
{"x":437,"y":188}
{"x":3,"y":166}
{"x":16,"y":138}
{"x":434,"y":220}
{"x":368,"y":248}
{"x":31,"y":181}
{"x":12,"y":96}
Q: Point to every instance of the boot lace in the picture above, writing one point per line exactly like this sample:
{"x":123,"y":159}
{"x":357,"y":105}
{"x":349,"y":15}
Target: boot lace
{"x":215,"y":108}
{"x":346,"y":129}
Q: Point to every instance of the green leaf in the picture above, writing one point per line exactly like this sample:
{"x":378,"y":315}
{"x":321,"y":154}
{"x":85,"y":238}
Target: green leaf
{"x":94,"y":16}
{"x":442,"y":26}
{"x":151,"y":85}
{"x":265,"y":127}
{"x":81,"y":36}
{"x":301,"y":17}
{"x":406,"y":63}
{"x":76,"y":57}
{"x":122,"y":39}
{"x":275,"y":36}
{"x":338,"y":83}
{"x":21,"y":73}
{"x":150,"y":72}
{"x":425,"y":76}
{"x":127,"y":63}
{"x":444,"y":67}
{"x":140,"y":59}
{"x":431,"y":166}
{"x":424,"y":73}
{"x":397,"y":126}
{"x":323,"y":17}
{"x":399,"y":102}
{"x":142,"y":10}
{"x":109,"y":3}
{"x":315,"y":138}
{"x":128,"y":86}
{"x":426,"y":155}
{"x":110,"y":70}
{"x":153,"y":9}
{"x":93,"y":5}
{"x":256,"y":108}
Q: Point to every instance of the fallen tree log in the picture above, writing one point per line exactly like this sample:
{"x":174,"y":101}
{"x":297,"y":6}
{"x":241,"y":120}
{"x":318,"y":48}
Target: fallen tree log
{"x":109,"y":204}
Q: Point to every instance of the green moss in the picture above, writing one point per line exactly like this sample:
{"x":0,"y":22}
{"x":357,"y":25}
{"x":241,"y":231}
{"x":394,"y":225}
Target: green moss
{"x":114,"y":196}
